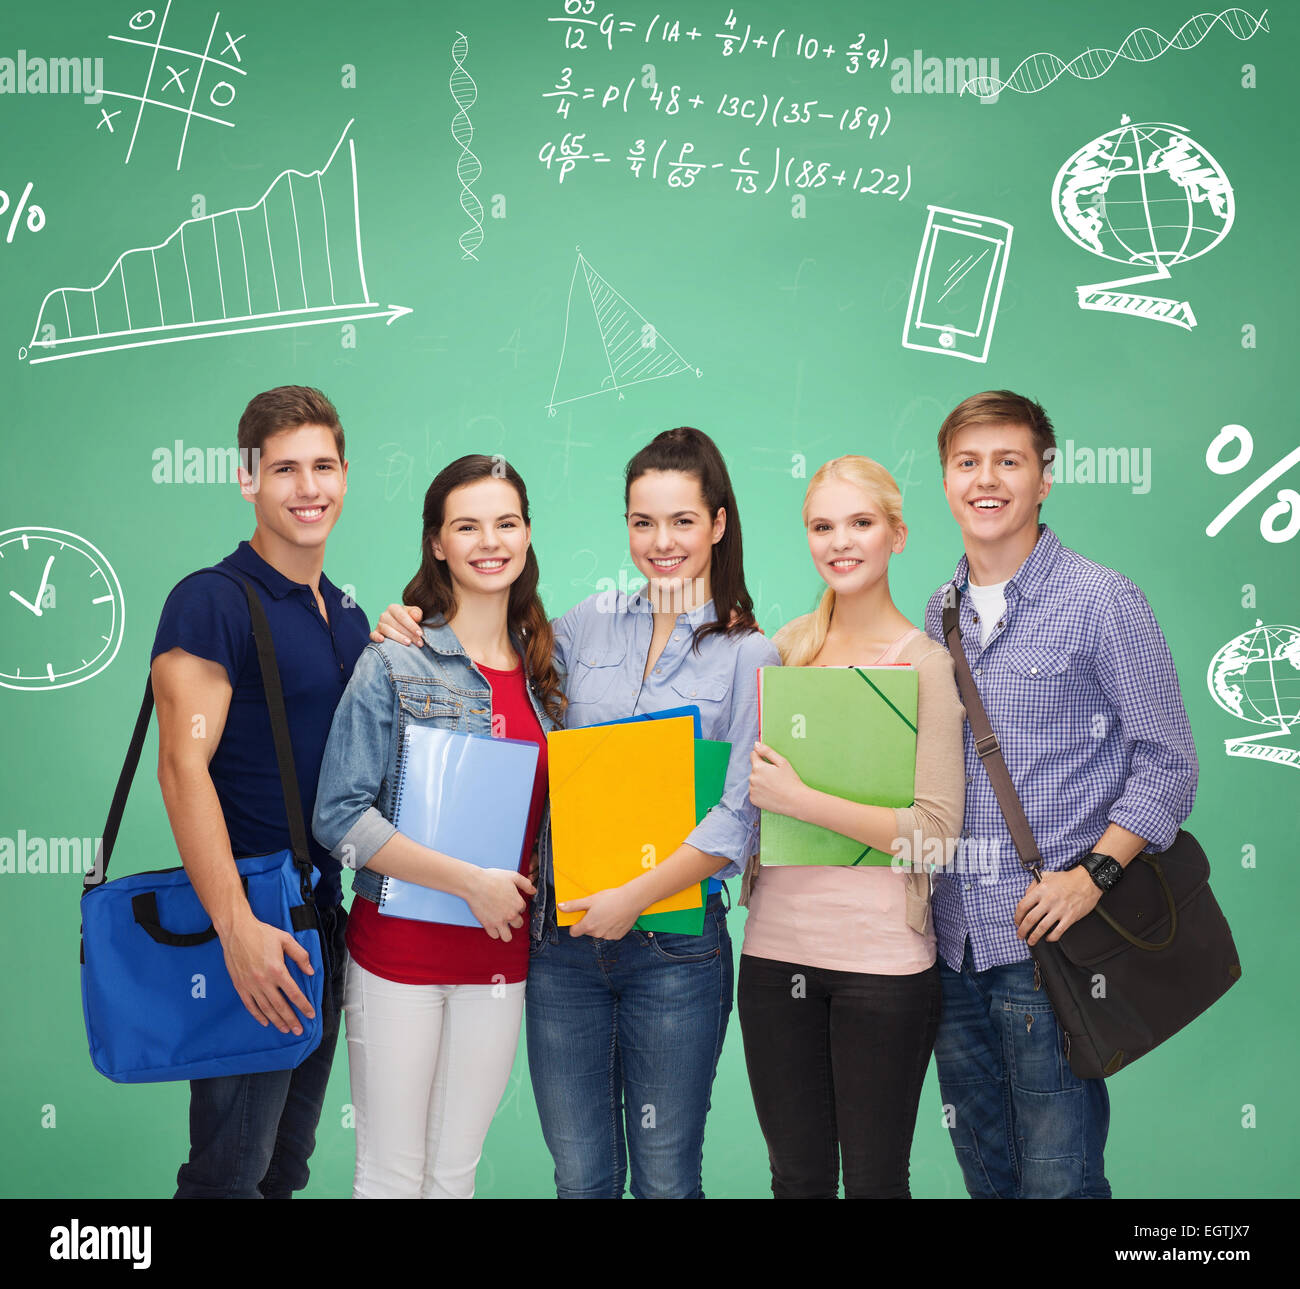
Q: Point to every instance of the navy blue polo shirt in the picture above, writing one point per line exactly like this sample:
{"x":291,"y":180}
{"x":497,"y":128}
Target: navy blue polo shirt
{"x":207,"y":615}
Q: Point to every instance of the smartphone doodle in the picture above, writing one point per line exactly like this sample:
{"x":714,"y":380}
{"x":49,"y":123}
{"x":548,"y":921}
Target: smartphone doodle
{"x":957,"y":284}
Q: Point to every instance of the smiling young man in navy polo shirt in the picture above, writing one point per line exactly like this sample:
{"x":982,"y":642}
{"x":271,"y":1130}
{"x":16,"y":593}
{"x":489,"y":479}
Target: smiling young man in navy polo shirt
{"x":252,"y":1135}
{"x":1082,"y":694}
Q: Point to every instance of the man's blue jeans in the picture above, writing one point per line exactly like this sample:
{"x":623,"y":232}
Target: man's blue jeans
{"x":623,"y":1043}
{"x":1023,"y":1126}
{"x":251,"y":1135}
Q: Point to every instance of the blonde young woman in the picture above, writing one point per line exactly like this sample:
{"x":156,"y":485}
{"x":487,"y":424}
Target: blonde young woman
{"x":839,"y":989}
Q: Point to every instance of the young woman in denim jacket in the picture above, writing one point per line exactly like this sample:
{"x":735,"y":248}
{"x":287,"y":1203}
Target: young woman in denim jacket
{"x":625,"y":1026}
{"x":433,"y":1011}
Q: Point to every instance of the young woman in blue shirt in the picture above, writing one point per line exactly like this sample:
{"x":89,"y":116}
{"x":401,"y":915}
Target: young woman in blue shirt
{"x":625,"y":1026}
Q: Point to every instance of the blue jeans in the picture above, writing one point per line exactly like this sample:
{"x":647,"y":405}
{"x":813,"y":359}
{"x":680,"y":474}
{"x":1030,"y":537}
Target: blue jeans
{"x":251,"y":1135}
{"x":623,"y":1043}
{"x":1023,"y":1126}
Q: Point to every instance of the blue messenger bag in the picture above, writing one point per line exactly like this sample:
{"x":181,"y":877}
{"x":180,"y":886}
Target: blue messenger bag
{"x":158,"y":1001}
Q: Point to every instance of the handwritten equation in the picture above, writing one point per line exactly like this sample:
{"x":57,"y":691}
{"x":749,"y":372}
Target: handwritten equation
{"x":722,"y":117}
{"x":754,"y":110}
{"x":787,"y":170}
{"x":580,"y":24}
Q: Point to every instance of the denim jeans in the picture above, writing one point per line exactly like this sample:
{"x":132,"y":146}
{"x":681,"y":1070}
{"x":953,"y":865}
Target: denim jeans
{"x":836,"y":1061}
{"x":1022,"y":1124}
{"x":623,"y":1044}
{"x":251,"y":1135}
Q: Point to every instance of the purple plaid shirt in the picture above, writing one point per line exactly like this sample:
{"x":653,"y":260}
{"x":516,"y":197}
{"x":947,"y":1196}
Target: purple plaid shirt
{"x":1082,"y":694}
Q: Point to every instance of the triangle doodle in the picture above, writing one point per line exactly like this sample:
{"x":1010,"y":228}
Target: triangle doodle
{"x":608,"y":345}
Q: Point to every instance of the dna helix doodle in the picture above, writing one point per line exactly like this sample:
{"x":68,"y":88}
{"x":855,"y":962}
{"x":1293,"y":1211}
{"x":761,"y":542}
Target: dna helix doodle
{"x":468,"y":166}
{"x":1142,"y":45}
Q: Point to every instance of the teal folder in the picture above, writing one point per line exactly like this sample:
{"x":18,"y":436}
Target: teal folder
{"x":849,"y":731}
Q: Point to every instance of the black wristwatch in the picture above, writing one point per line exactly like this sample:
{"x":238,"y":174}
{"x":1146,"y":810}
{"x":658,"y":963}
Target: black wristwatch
{"x":1103,"y":869}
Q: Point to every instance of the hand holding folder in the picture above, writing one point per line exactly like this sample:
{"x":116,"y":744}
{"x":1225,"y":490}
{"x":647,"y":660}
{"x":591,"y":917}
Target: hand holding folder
{"x":849,"y":731}
{"x":625,"y":795}
{"x":467,"y":796}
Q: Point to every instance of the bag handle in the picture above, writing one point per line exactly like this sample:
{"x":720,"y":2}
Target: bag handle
{"x":990,"y":754}
{"x":144,"y":908}
{"x":283,"y":754}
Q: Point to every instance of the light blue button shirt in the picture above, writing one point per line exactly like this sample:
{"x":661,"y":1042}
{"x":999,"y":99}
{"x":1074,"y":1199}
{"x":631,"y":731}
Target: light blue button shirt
{"x":602,"y":643}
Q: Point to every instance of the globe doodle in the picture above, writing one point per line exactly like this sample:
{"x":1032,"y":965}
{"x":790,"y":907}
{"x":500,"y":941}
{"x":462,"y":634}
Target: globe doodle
{"x":1256,"y":676}
{"x":1143,"y":194}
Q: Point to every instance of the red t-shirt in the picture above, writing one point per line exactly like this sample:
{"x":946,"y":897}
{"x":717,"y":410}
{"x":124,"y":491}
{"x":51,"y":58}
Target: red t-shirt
{"x":431,"y":953}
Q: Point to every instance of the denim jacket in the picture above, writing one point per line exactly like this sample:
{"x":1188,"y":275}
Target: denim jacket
{"x":392,"y":686}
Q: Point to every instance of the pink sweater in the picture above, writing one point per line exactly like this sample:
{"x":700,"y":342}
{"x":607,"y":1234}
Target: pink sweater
{"x":872,"y":920}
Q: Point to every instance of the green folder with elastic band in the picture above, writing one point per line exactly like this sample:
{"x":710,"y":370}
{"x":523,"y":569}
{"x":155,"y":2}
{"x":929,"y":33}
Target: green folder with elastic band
{"x":849,"y":731}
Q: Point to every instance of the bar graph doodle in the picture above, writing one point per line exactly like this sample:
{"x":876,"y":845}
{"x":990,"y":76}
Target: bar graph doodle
{"x":607,"y":344}
{"x":291,"y":259}
{"x":1256,"y":677}
{"x":1144,"y":195}
{"x":1144,"y":45}
{"x":468,"y":167}
{"x":189,"y":65}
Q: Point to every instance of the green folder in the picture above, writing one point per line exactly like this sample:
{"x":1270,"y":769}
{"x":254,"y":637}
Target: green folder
{"x":850,"y":731}
{"x":711,"y":759}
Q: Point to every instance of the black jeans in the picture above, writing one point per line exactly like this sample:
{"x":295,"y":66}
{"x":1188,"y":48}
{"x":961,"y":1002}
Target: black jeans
{"x":836,"y":1061}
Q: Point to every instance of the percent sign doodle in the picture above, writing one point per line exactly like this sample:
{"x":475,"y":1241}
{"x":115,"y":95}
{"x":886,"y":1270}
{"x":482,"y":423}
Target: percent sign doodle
{"x":1288,"y":500}
{"x":35,"y":215}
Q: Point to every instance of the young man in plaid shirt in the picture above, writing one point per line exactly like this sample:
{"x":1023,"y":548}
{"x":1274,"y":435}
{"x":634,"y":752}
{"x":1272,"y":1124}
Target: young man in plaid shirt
{"x":1082,"y":695}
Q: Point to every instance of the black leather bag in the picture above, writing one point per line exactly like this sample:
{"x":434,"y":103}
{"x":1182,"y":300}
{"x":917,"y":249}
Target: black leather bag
{"x":1154,"y":953}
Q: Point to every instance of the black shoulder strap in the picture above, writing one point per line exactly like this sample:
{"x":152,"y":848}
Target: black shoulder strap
{"x":280,"y":733}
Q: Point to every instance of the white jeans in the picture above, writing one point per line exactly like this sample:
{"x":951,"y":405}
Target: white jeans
{"x":429,"y":1064}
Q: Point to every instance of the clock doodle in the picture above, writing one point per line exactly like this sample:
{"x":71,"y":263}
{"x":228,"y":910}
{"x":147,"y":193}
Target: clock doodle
{"x":63,"y":616}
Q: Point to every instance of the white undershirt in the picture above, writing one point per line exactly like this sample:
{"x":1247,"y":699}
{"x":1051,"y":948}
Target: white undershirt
{"x":989,"y":603}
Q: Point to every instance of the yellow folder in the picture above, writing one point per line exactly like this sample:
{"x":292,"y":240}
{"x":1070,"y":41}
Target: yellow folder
{"x":622,"y":798}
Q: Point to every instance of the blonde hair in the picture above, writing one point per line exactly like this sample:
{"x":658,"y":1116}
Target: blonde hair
{"x":800,"y":641}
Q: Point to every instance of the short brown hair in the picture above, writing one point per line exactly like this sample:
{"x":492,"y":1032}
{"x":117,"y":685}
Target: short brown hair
{"x":285,"y":408}
{"x":1000,"y":406}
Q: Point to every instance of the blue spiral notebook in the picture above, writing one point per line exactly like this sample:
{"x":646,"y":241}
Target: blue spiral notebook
{"x":465,"y":795}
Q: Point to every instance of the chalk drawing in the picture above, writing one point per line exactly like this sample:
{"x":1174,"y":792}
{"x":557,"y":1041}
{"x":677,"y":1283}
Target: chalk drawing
{"x":1144,"y":45}
{"x":957,"y":284}
{"x":468,"y":166}
{"x":1256,"y":677}
{"x":1145,"y":194}
{"x":178,"y":75}
{"x":263,"y":267}
{"x":72,"y":626}
{"x":608,"y":345}
{"x":1287,"y":505}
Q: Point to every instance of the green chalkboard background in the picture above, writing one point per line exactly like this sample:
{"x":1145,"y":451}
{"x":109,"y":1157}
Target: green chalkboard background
{"x":784,"y":311}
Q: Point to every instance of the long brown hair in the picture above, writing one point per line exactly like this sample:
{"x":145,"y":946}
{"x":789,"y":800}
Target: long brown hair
{"x":433,"y":590}
{"x":692,"y":452}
